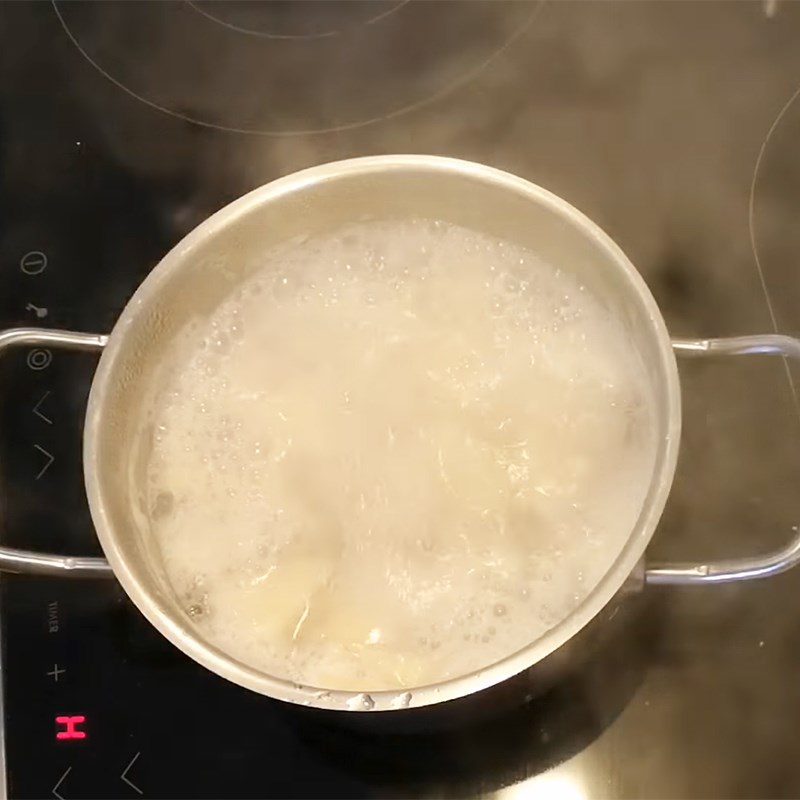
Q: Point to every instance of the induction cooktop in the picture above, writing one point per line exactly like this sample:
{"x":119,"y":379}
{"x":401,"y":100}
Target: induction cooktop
{"x":673,"y":125}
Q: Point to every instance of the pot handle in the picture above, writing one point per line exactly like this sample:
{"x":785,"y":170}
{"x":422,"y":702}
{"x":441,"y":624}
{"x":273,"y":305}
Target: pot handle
{"x":28,"y":561}
{"x":764,"y":566}
{"x":735,"y":569}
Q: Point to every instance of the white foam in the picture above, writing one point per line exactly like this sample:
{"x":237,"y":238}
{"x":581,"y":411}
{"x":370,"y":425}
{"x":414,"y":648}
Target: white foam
{"x":399,"y":454}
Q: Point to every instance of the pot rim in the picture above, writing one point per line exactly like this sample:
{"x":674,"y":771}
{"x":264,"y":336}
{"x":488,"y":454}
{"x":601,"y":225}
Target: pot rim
{"x":179,"y":631}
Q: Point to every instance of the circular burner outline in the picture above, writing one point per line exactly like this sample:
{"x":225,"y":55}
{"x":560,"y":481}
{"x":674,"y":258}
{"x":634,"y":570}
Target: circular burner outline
{"x":194,"y":5}
{"x":752,"y":199}
{"x":457,"y":84}
{"x":754,"y":243}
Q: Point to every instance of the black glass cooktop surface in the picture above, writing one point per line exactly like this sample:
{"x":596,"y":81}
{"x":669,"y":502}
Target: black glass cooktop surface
{"x":673,"y":125}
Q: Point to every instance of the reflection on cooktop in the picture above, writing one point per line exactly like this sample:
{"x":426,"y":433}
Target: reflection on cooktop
{"x":499,"y":748}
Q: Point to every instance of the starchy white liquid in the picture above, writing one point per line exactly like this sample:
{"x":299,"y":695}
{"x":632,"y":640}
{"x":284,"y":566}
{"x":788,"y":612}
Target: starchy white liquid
{"x":397,"y":454}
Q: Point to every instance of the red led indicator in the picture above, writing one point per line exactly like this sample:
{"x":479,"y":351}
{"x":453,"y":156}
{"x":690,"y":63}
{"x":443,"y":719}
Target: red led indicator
{"x":70,"y":727}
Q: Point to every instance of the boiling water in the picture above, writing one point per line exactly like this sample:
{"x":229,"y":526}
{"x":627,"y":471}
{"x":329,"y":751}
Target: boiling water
{"x":397,"y":454}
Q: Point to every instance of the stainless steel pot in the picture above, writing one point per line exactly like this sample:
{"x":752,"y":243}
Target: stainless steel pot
{"x":205,"y":267}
